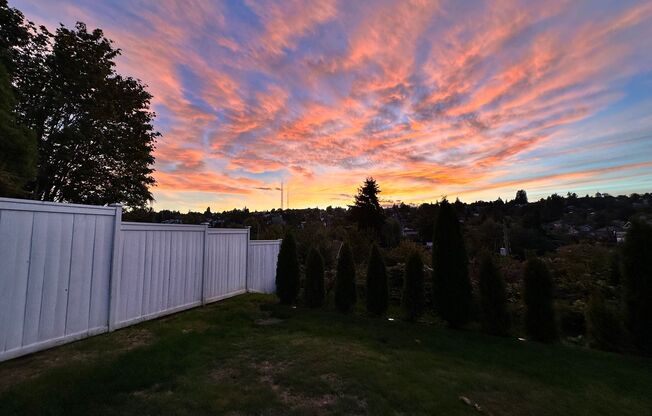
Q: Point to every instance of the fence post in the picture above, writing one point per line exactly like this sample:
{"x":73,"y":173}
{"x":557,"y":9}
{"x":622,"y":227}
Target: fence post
{"x":204,"y":267}
{"x":116,"y":265}
{"x":247,"y":257}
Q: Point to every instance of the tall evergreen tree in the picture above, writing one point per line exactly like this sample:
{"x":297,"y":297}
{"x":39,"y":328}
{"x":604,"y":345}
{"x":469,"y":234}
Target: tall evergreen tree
{"x":493,"y":297}
{"x":637,"y":284}
{"x":17,"y":145}
{"x":345,"y":290}
{"x":451,"y":284}
{"x":314,"y":289}
{"x":540,"y":322}
{"x":287,"y":271}
{"x":377,"y":286}
{"x":366,"y":211}
{"x":413,"y":300}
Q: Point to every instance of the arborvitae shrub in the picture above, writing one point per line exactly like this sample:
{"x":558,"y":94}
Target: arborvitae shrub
{"x":637,"y":284}
{"x":493,"y":298}
{"x":540,"y":323}
{"x":602,"y":324}
{"x":287,"y":271}
{"x":377,"y":289}
{"x":314,"y":290}
{"x":451,"y":284}
{"x":413,"y":300}
{"x":345,"y":294}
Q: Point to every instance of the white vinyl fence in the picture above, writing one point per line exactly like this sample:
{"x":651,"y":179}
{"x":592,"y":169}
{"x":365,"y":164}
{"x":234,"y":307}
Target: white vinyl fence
{"x":72,"y":271}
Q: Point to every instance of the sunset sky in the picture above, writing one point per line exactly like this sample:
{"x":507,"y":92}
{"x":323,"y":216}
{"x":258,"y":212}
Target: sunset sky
{"x":467,"y":99}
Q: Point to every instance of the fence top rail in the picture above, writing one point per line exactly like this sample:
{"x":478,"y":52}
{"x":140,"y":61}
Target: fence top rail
{"x":265,"y":242}
{"x":151,"y":226}
{"x":13,"y":204}
{"x":227,"y":231}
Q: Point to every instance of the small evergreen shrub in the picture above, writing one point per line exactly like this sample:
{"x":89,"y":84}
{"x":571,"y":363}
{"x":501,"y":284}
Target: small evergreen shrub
{"x":314,"y":290}
{"x":540,"y":322}
{"x":493,"y":298}
{"x":451,"y":284}
{"x":345,"y":291}
{"x":377,"y":288}
{"x":603,"y":326}
{"x":287,"y":271}
{"x":413,"y":301}
{"x":637,"y":284}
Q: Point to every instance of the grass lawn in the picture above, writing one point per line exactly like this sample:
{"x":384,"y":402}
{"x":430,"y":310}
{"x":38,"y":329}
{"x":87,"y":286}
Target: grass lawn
{"x":233,"y":357}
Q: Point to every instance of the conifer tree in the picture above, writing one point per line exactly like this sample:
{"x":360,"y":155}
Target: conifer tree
{"x":413,"y":300}
{"x":637,"y":284}
{"x":287,"y":271}
{"x":345,"y":290}
{"x":377,"y":286}
{"x":493,"y":297}
{"x":314,"y":289}
{"x":451,"y":284}
{"x":540,"y":322}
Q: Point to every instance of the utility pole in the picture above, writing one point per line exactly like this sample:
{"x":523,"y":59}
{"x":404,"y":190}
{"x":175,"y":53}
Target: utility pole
{"x":281,"y":195}
{"x":287,"y":197}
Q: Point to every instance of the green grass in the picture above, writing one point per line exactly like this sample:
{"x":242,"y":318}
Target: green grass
{"x":218,"y":360}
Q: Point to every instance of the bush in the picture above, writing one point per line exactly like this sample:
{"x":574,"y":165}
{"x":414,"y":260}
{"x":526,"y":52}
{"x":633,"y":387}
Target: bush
{"x":377,"y":289}
{"x":287,"y":271}
{"x":451,"y":284}
{"x":637,"y":284}
{"x":413,"y":300}
{"x":314,"y":290}
{"x":345,"y":294}
{"x":493,"y":298}
{"x":540,"y":324}
{"x":603,"y":326}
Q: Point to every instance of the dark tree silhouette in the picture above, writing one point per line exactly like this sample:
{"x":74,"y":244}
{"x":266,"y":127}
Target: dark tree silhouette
{"x":493,"y":297}
{"x":637,"y":284}
{"x":377,"y":286}
{"x":314,"y":290}
{"x":366,"y":211}
{"x":413,"y":300}
{"x":451,"y":284}
{"x":93,"y":126}
{"x":602,"y":324}
{"x":521,"y":197}
{"x":287,"y":271}
{"x":540,"y":322}
{"x":17,"y":145}
{"x":345,"y":290}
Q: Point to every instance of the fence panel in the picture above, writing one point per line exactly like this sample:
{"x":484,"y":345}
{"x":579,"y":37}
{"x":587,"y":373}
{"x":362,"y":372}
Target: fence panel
{"x":226,"y":263}
{"x":262,"y":265}
{"x":159,"y":270}
{"x":55,"y":264}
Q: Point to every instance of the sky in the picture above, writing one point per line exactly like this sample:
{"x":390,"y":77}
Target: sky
{"x":457,"y":98}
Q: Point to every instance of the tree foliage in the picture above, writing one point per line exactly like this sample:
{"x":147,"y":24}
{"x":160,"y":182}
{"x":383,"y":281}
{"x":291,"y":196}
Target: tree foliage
{"x":287,"y":271}
{"x":377,"y":286}
{"x":93,"y":126}
{"x":637,"y":284}
{"x":521,"y":197}
{"x":366,"y":211}
{"x":413,"y":300}
{"x":345,"y":289}
{"x":17,"y":145}
{"x":540,"y":322}
{"x":314,"y":289}
{"x":493,"y":297}
{"x":602,"y":324}
{"x":451,"y":284}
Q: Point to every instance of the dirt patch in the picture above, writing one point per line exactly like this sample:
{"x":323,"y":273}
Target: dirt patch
{"x":314,"y":404}
{"x":268,"y":321}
